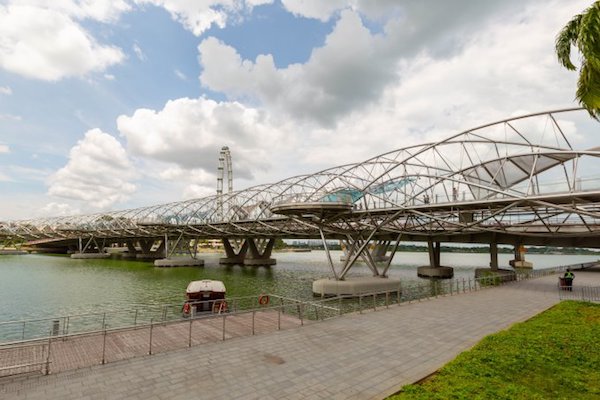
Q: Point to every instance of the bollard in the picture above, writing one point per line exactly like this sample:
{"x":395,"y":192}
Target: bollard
{"x":23,"y":333}
{"x":279,"y":316}
{"x":360,"y":304}
{"x":253,"y":317}
{"x":135,"y":317}
{"x":104,"y":346}
{"x":48,"y":355}
{"x":190,"y":334}
{"x":224,"y":316}
{"x":150,"y":345}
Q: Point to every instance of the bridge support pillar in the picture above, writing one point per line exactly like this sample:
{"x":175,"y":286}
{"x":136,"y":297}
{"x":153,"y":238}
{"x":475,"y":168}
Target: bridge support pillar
{"x":235,"y":251}
{"x":519,"y":261}
{"x":92,"y":249}
{"x":260,"y":252}
{"x":175,"y":253}
{"x":131,"y":249}
{"x":434,"y":269}
{"x":147,"y":253}
{"x":493,"y":271}
{"x":494,"y":256}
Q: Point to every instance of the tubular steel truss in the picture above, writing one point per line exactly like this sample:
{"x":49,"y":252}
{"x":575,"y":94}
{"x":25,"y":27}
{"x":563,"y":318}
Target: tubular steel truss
{"x":517,"y":181}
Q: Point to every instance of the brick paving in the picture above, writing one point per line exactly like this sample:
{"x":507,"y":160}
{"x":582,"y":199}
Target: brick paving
{"x":91,"y":349}
{"x":358,"y":356}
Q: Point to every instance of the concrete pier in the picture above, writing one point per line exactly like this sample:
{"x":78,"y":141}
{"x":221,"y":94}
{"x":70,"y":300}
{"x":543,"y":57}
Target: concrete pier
{"x":89,"y":256}
{"x":434,"y":269}
{"x":260,"y":252}
{"x":440,"y":271}
{"x":519,"y":261}
{"x":355,"y":286}
{"x":179,"y":262}
{"x":12,"y":252}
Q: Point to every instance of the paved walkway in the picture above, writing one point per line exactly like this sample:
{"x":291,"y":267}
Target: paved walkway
{"x":366,"y":356}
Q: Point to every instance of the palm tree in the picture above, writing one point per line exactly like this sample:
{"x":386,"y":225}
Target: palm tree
{"x":583,"y":32}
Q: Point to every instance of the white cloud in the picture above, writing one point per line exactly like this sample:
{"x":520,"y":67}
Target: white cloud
{"x":100,"y":10}
{"x":5,"y":90}
{"x":350,"y":70}
{"x":189,"y":133}
{"x":138,"y":52}
{"x":46,"y":44}
{"x":199,"y":16}
{"x":317,"y":9}
{"x":495,"y":74}
{"x":4,"y":177}
{"x":4,"y":149}
{"x":54,"y":209}
{"x":98,"y":173}
{"x":10,"y":117}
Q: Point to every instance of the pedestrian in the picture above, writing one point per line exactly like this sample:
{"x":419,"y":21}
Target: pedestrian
{"x":569,"y":276}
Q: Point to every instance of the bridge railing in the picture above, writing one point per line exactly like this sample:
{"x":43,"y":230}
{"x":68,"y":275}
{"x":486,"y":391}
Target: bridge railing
{"x":137,"y":315}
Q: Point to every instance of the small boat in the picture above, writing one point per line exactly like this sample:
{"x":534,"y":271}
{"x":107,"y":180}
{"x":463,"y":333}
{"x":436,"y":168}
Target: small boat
{"x":204,"y":296}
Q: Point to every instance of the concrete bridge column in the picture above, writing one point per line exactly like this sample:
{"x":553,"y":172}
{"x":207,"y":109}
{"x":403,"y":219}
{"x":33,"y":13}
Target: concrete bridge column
{"x":260,"y":252}
{"x":435,"y":269}
{"x":174,"y":253}
{"x":131,"y":249}
{"x":146,"y":247}
{"x":91,"y":249}
{"x":493,"y":270}
{"x":234,"y":253}
{"x":519,"y":260}
{"x":494,"y":256}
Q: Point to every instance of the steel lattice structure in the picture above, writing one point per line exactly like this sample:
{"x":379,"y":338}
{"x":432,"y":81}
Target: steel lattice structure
{"x":518,"y":180}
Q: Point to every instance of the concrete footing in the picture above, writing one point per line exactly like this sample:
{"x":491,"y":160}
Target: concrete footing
{"x":260,"y":261}
{"x":13,"y":252}
{"x":441,"y":272}
{"x":355,"y":286}
{"x":89,"y":256}
{"x":231,"y":260}
{"x":143,"y":256}
{"x":520,"y":264}
{"x":179,"y":262}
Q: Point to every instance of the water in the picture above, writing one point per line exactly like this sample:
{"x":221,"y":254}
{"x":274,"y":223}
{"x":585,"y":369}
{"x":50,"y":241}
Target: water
{"x":41,"y":286}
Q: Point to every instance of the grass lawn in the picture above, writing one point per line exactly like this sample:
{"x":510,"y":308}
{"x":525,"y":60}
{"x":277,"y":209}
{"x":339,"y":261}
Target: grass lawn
{"x":555,"y":355}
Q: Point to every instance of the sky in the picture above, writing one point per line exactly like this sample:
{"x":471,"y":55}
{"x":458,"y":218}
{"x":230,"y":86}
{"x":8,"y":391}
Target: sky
{"x":116,"y":104}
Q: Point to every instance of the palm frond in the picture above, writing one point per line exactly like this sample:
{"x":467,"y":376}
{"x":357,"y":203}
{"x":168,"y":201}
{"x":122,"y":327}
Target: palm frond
{"x":589,"y":36}
{"x":588,"y":90}
{"x":568,"y":36}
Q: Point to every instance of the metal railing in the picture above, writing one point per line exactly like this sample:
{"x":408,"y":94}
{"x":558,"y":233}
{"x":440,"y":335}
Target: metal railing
{"x":140,"y":314}
{"x":579,"y":293}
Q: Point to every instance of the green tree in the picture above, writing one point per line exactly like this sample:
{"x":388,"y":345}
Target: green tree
{"x":583,"y":32}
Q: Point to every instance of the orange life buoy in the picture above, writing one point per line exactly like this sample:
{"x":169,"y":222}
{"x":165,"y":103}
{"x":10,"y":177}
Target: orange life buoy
{"x":263,"y":299}
{"x":219,"y":306}
{"x":186,"y":308}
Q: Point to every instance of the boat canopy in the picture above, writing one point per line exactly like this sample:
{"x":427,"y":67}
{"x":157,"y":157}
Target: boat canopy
{"x":205,"y":285}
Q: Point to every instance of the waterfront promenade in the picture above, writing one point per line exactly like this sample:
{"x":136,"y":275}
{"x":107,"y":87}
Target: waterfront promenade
{"x":357,"y":356}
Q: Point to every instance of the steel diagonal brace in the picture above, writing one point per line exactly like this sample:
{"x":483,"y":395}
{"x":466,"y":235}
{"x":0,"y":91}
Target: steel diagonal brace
{"x":328,"y":254}
{"x":366,"y":242}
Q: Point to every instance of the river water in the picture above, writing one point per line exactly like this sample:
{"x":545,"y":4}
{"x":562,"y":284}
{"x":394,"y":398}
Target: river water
{"x":40,"y":286}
